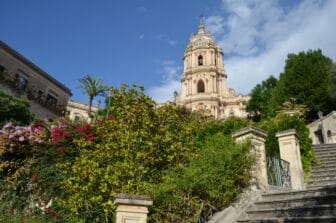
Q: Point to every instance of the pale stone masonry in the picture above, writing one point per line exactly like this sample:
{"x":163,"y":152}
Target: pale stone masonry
{"x":79,"y":111}
{"x":204,"y":79}
{"x":290,"y":151}
{"x":48,"y":97}
{"x":132,"y":208}
{"x":323,"y":130}
{"x":257,"y":138}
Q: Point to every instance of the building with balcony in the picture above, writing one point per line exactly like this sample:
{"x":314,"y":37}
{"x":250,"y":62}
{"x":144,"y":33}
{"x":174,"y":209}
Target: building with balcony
{"x":47,"y":96}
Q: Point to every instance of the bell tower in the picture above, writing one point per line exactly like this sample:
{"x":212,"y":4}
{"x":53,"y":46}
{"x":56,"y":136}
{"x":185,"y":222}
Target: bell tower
{"x":204,"y":78}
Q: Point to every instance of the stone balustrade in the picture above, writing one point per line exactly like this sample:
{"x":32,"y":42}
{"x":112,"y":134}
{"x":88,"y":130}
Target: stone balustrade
{"x":132,"y":208}
{"x":257,"y":138}
{"x":290,"y":151}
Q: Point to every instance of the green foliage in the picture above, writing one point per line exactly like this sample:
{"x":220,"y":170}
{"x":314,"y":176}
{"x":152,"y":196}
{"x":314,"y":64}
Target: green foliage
{"x":332,"y":87}
{"x":14,"y":109}
{"x":258,"y":105}
{"x":92,"y":87}
{"x":22,"y":218}
{"x":188,"y":163}
{"x":29,"y":179}
{"x":284,"y":122}
{"x":191,"y":193}
{"x":227,"y":127}
{"x":135,"y":145}
{"x":306,"y":78}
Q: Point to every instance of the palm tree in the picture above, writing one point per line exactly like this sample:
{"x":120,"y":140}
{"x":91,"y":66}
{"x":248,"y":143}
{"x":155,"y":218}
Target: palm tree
{"x":92,"y":87}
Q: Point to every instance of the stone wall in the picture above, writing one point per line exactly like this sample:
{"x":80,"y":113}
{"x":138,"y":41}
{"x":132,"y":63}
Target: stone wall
{"x":25,"y":78}
{"x":323,"y":130}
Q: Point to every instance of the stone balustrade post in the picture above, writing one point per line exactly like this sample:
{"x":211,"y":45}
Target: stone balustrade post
{"x":257,"y":137}
{"x":132,"y":208}
{"x":290,"y":151}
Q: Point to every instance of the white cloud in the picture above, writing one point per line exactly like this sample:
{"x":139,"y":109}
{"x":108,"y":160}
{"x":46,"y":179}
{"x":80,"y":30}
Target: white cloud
{"x":170,"y":82}
{"x":257,"y":35}
{"x":215,"y":24}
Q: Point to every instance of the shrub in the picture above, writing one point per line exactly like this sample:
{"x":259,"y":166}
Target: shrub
{"x":191,"y":193}
{"x":14,"y":109}
{"x":284,"y":122}
{"x":28,"y":174}
{"x":134,"y":146}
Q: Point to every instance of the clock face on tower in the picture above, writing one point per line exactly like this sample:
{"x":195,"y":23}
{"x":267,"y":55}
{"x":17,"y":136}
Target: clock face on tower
{"x":200,"y":43}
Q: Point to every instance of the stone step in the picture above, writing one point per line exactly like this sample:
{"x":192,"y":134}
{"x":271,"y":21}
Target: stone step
{"x":322,"y":153}
{"x":296,"y":202}
{"x":325,"y":152}
{"x":324,"y":148}
{"x":306,"y":211}
{"x":325,"y":166}
{"x":297,"y":194}
{"x":323,"y":171}
{"x":323,"y":182}
{"x":322,"y":168}
{"x":324,"y":176}
{"x":316,"y":203}
{"x":324,"y":145}
{"x":315,"y":219}
{"x":326,"y":157}
{"x":328,"y":147}
{"x":331,"y":164}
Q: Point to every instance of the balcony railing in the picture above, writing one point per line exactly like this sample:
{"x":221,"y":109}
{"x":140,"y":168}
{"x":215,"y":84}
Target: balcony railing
{"x":30,"y":94}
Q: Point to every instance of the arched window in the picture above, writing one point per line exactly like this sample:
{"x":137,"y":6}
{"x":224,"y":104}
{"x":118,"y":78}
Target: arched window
{"x":329,"y":133}
{"x":200,"y":60}
{"x":200,"y":86}
{"x":231,"y":112}
{"x":77,"y":118}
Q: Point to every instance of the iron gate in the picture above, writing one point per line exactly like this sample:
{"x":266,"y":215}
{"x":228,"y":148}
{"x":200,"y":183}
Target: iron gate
{"x":278,"y":172}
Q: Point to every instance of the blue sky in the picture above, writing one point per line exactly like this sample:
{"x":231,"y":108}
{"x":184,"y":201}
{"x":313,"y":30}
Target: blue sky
{"x":143,"y":41}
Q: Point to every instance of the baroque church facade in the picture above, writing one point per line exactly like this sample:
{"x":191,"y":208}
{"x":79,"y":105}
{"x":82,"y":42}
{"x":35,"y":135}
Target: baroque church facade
{"x":204,"y":78}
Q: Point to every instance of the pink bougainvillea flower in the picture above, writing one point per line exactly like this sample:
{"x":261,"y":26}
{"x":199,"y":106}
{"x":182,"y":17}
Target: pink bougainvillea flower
{"x":35,"y":176}
{"x":8,"y":126}
{"x":110,"y":118}
{"x":51,"y":211}
{"x":22,"y":138}
{"x":62,"y":150}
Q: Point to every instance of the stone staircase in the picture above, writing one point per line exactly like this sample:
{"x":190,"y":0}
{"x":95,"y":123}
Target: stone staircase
{"x":316,"y":203}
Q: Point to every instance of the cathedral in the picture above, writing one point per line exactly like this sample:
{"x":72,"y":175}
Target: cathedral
{"x":204,"y":79}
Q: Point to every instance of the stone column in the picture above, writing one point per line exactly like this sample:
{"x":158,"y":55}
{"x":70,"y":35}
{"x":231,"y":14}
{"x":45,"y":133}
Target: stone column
{"x":257,"y":137}
{"x":290,"y":151}
{"x":132,"y":208}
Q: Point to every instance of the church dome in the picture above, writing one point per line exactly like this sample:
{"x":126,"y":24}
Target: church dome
{"x":201,"y":39}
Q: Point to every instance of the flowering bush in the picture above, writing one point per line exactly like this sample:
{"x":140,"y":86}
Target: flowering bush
{"x":29,"y":177}
{"x":18,"y":146}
